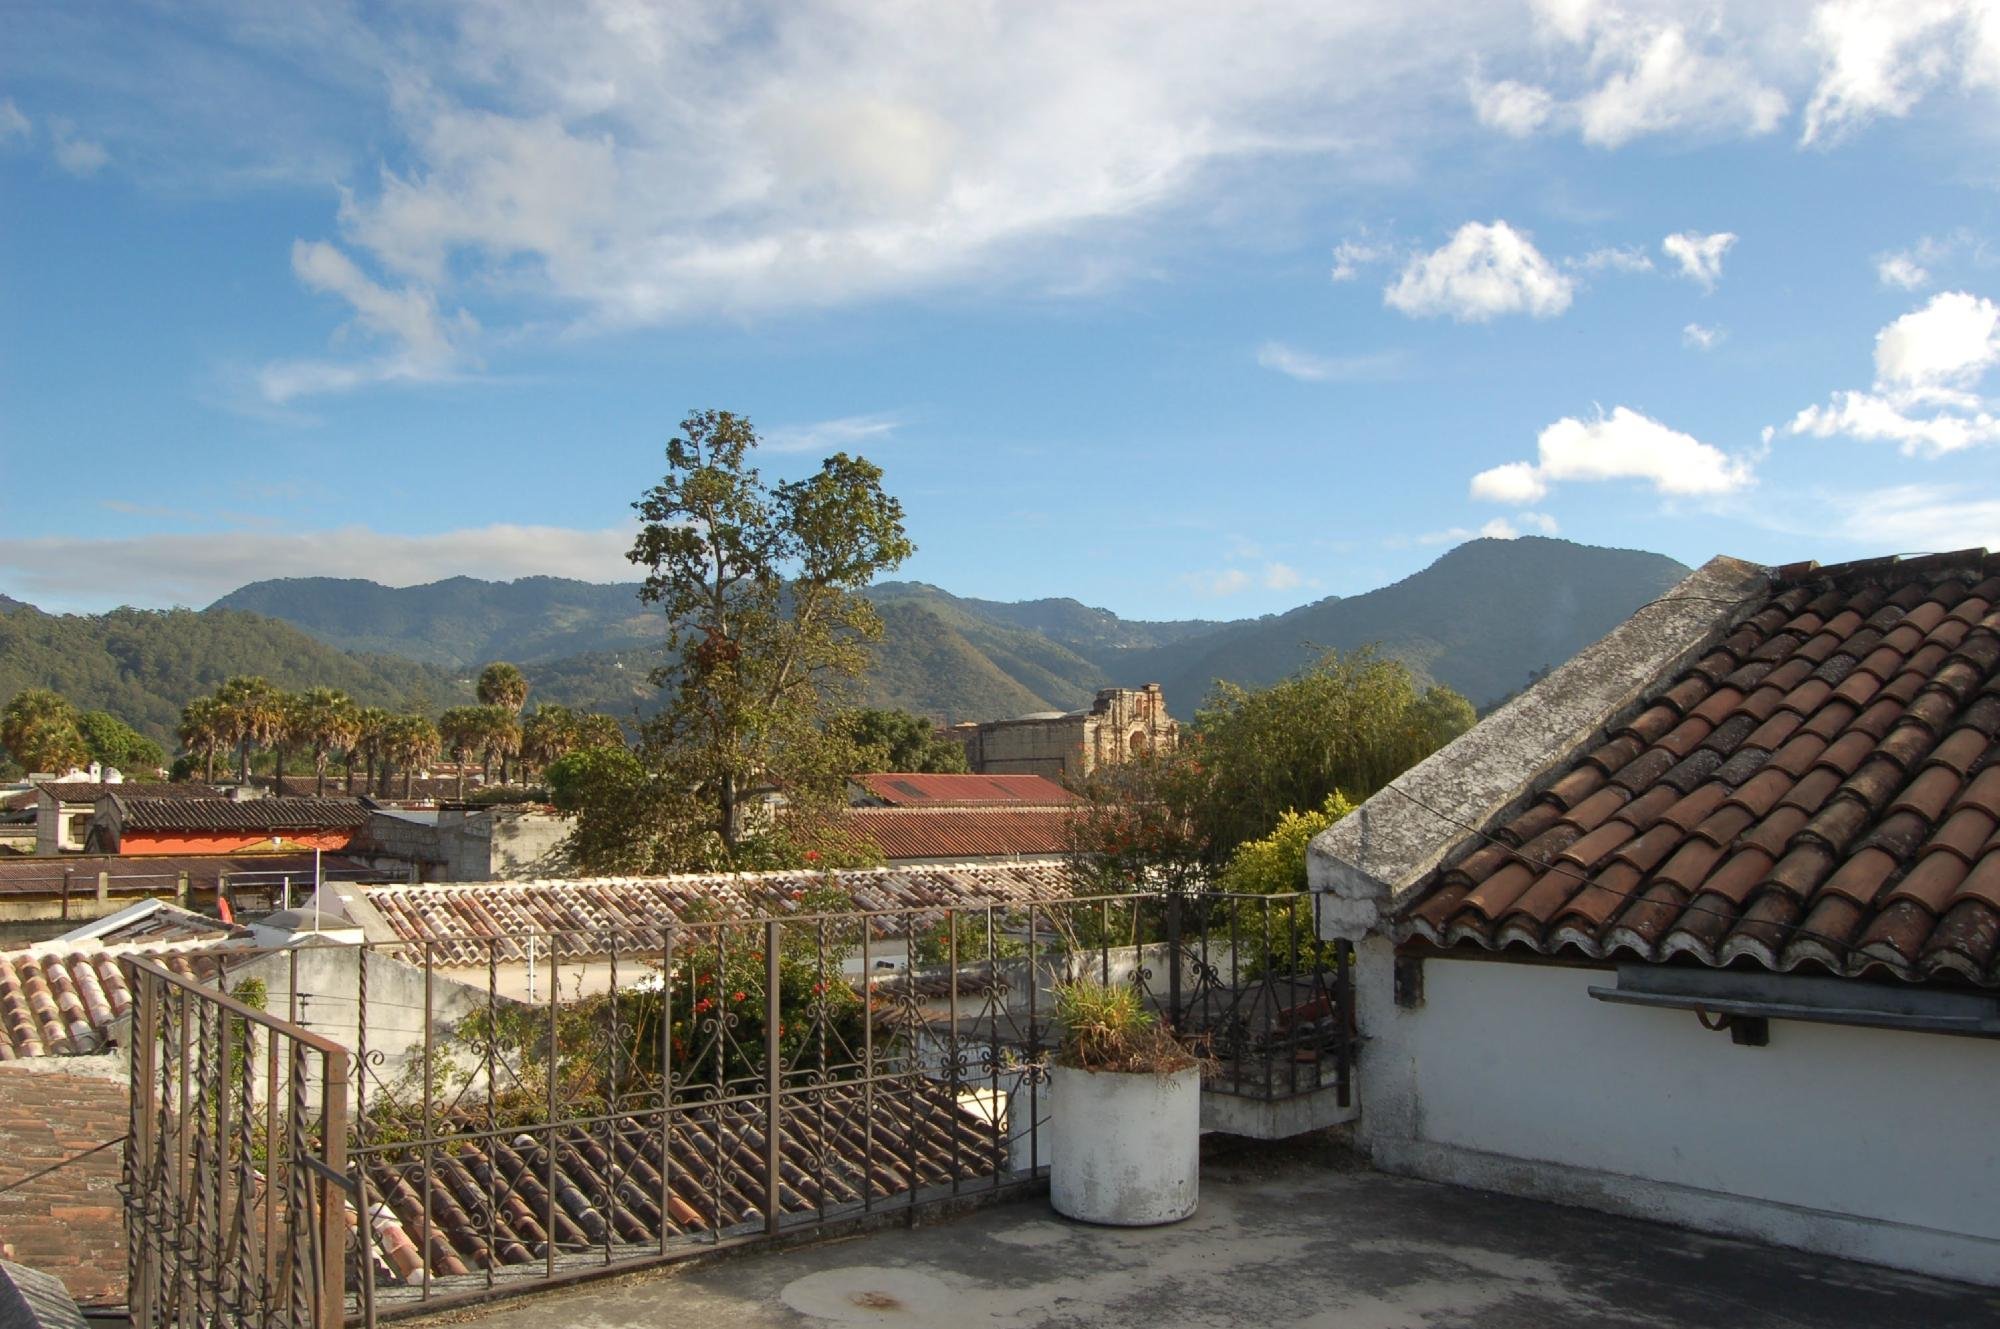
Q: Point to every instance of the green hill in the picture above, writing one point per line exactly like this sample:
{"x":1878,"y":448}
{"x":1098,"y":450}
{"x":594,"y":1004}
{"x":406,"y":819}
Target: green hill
{"x":460,"y":623}
{"x":142,"y":665}
{"x":1479,"y":620}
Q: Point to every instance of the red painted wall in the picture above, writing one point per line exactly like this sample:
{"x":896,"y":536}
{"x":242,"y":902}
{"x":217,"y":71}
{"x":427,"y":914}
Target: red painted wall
{"x":229,"y":842}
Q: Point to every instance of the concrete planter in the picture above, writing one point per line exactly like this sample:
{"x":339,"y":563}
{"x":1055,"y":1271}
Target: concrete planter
{"x":1124,"y":1148}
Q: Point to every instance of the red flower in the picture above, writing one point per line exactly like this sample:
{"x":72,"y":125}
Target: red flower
{"x":812,"y":855}
{"x":738,"y":994}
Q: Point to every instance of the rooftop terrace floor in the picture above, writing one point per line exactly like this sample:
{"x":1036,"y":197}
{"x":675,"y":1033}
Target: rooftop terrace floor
{"x":1286,"y":1234}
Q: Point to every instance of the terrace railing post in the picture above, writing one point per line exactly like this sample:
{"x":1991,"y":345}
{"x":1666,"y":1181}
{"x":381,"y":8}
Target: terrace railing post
{"x":142,"y":1148}
{"x":774,"y":1076}
{"x":1343,"y":1014}
{"x":333,"y":1198}
{"x":1174,"y":960}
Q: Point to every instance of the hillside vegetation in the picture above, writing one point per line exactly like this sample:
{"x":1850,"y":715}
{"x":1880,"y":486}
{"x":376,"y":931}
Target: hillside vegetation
{"x":143,"y":665}
{"x":1479,"y":620}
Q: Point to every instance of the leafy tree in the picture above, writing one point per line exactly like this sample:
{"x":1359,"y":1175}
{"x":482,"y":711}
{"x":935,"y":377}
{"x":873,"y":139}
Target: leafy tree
{"x":323,"y":720}
{"x":1347,"y":725}
{"x":39,"y":729}
{"x":760,"y":585}
{"x":112,"y":742}
{"x":203,"y":733}
{"x":548,"y":734}
{"x":251,"y":715}
{"x":594,"y":729}
{"x":1276,"y":863}
{"x":892,"y":740}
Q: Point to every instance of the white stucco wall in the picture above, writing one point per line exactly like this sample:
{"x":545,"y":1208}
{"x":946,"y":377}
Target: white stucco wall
{"x":1875,"y":1144}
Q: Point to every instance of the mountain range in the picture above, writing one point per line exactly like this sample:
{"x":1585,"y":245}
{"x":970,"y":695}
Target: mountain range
{"x":1480,"y":619}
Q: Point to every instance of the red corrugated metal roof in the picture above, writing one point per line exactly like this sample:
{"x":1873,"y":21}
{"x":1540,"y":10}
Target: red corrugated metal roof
{"x":917,"y":789}
{"x":963,"y":832}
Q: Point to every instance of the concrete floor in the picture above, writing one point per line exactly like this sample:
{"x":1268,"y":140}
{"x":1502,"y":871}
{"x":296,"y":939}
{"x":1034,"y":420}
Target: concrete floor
{"x":1286,"y":1235}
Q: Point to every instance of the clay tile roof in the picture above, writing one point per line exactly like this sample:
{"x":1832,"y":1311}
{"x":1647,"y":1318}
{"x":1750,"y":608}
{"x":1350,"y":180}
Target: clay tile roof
{"x":59,"y":1001}
{"x":251,"y":814}
{"x":465,"y":924}
{"x":1840,"y":812}
{"x":89,"y":791}
{"x":489,"y":1204}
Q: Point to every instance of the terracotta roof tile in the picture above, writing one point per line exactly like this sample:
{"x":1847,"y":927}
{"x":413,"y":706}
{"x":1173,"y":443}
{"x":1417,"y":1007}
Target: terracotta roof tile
{"x":1821,"y":789}
{"x":1744,"y":872}
{"x":1645,"y":769}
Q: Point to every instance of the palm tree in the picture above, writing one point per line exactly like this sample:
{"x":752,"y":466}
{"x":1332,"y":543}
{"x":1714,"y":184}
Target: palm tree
{"x":39,"y":729}
{"x":252,"y":715}
{"x":503,"y":685}
{"x":598,"y":730}
{"x":201,"y":733}
{"x":322,"y":719}
{"x":548,"y":735}
{"x":412,"y":741}
{"x":499,"y":737}
{"x":371,"y":732}
{"x":463,"y":729}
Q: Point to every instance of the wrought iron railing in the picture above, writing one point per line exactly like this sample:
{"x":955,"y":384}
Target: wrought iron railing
{"x":235,"y":1163}
{"x":527,"y":1107}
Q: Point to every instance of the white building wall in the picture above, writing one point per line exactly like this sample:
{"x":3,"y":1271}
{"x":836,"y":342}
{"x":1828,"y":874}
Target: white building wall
{"x":1875,"y":1144}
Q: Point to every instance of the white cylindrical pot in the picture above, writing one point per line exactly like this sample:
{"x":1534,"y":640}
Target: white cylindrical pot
{"x":1124,"y":1147}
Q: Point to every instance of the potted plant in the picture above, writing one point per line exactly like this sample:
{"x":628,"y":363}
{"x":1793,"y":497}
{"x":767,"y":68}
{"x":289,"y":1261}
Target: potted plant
{"x":1125,"y":1111}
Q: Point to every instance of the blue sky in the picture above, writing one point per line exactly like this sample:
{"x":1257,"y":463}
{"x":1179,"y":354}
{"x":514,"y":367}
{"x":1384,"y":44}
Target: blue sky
{"x":1183,"y":310}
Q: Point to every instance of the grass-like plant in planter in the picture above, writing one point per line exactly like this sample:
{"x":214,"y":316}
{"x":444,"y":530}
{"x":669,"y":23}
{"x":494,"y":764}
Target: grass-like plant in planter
{"x":1125,"y":1111}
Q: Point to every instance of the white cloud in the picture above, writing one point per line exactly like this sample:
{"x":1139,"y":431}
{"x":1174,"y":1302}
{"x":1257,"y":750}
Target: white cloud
{"x":1516,"y":109}
{"x":1908,"y":518}
{"x":848,"y":431}
{"x":1309,"y":367}
{"x":1700,"y":256}
{"x":1953,"y":339}
{"x":1880,"y":57}
{"x":1622,"y":446}
{"x":1499,"y":528}
{"x":1926,"y":396}
{"x":1911,"y":269}
{"x":1903,"y":271}
{"x":1484,"y":271}
{"x":75,"y":154}
{"x":1221,"y":582}
{"x":1702,"y":338}
{"x":1662,"y":82}
{"x":193,"y":568}
{"x":13,"y":124}
{"x":1350,"y":256}
{"x":1621,"y":258}
{"x":421,"y":344}
{"x":1227,"y":581}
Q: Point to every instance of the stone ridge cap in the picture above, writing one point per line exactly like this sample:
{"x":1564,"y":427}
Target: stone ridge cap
{"x":1971,"y":562}
{"x":1379,"y":854}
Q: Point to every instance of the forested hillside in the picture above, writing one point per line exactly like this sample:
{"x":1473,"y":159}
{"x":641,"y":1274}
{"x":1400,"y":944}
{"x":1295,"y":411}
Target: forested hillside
{"x":142,"y":665}
{"x":1480,"y":619}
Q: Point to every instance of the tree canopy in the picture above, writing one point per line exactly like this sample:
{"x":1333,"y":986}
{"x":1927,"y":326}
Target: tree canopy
{"x":1338,"y":730}
{"x":892,"y":740}
{"x":767,"y":630}
{"x":39,"y":730}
